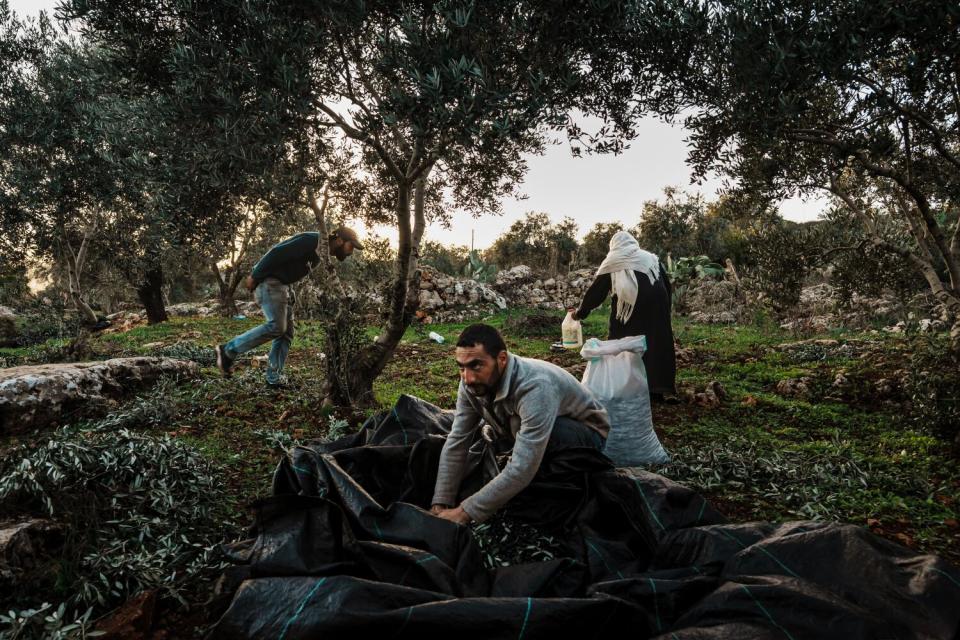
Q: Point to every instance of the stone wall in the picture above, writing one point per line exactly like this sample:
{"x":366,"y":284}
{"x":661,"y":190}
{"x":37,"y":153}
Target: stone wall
{"x":723,"y":302}
{"x":38,"y":396}
{"x":445,"y":298}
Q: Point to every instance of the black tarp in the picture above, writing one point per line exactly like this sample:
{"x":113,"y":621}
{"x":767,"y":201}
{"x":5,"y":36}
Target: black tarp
{"x":346,"y":548}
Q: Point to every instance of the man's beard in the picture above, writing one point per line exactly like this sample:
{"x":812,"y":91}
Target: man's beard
{"x":484,"y":389}
{"x":340,"y":254}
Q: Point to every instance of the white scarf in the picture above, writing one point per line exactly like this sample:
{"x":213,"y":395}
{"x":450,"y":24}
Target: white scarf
{"x":624,"y":258}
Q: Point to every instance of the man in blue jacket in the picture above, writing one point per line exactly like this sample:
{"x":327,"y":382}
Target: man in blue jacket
{"x":285,"y":263}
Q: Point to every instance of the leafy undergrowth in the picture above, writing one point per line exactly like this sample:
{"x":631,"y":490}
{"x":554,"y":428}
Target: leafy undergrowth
{"x":137,"y":511}
{"x":874,"y":451}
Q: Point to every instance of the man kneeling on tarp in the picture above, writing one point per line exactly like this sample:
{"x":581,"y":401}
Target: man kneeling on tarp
{"x":536,"y":404}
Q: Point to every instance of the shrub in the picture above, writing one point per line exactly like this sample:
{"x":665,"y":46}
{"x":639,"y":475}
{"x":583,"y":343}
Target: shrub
{"x":783,"y":254}
{"x":532,"y":324}
{"x":45,"y":319}
{"x":445,"y":259}
{"x":933,"y":386}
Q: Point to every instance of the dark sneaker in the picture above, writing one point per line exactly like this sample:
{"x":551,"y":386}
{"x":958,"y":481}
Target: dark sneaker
{"x":224,"y":362}
{"x":278,"y":386}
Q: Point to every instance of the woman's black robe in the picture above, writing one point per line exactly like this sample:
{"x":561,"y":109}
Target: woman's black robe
{"x":650,"y":318}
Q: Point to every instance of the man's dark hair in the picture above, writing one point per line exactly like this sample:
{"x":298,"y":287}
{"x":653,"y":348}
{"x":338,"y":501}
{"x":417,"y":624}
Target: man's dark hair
{"x":485,"y":335}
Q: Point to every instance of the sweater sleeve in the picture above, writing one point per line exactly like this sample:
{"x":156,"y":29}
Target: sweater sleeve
{"x":453,"y":458}
{"x":288,"y":257}
{"x":595,"y":295}
{"x":270,"y":261}
{"x":538,"y":410}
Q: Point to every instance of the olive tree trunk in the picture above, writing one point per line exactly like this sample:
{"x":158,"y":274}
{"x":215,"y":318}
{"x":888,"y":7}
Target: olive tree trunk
{"x":150,"y":293}
{"x":353,"y":364}
{"x":227,"y":288}
{"x":75,"y":263}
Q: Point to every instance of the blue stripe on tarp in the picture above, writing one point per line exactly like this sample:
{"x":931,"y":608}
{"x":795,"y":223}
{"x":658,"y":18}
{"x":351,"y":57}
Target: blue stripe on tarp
{"x":303,"y":603}
{"x":777,"y":560}
{"x":602,"y":558}
{"x":944,"y":573}
{"x":405,"y":621}
{"x":526,"y":618}
{"x":702,"y":507}
{"x":766,"y":613}
{"x":428,"y":557}
{"x":301,"y":469}
{"x":647,"y":502}
{"x":400,"y":422}
{"x":764,"y":551}
{"x":656,"y":605}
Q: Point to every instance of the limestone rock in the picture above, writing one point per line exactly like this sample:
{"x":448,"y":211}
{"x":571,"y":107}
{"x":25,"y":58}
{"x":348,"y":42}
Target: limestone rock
{"x":719,"y":317}
{"x":711,"y":395}
{"x":715,"y":302}
{"x":202,"y":309}
{"x":685,"y":356}
{"x":885,"y":388}
{"x":511,"y":278}
{"x":425,"y":299}
{"x":36,"y":396}
{"x":22,"y":545}
{"x":794,"y":387}
{"x":841,"y":382}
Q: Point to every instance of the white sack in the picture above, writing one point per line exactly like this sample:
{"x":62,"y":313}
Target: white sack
{"x":616,"y":376}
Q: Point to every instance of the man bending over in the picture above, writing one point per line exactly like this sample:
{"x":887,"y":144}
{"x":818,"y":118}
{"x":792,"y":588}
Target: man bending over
{"x":539,"y":407}
{"x":284,"y":264}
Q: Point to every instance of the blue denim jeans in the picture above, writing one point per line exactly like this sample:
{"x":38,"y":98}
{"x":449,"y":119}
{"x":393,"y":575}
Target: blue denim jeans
{"x":276,"y":300}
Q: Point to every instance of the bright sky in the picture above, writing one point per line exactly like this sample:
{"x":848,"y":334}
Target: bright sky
{"x":589,"y":189}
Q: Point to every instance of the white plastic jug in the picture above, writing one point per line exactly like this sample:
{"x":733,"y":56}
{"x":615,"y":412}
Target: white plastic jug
{"x":572,"y":332}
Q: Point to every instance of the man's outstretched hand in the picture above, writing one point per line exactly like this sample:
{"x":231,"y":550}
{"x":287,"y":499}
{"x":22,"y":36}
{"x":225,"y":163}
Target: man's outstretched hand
{"x":456,"y":514}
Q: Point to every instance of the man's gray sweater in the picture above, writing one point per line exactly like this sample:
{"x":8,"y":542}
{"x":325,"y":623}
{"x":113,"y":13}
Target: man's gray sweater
{"x":531,"y":395}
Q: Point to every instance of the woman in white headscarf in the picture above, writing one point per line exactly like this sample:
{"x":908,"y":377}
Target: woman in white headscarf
{"x":640,"y":306}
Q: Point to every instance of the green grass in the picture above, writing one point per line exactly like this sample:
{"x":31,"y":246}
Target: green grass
{"x":757,"y":456}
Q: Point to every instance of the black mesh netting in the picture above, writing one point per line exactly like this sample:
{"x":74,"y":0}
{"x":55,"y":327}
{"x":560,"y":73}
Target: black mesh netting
{"x":346,"y":548}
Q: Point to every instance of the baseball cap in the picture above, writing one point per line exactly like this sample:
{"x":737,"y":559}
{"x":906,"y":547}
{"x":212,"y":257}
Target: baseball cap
{"x":346,"y":233}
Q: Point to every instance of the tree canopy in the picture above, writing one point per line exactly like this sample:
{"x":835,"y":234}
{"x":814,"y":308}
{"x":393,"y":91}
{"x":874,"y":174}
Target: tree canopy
{"x":860,"y":100}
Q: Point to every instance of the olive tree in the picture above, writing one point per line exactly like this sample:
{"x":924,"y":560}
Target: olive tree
{"x":859,"y":100}
{"x":436,"y":99}
{"x":56,"y":184}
